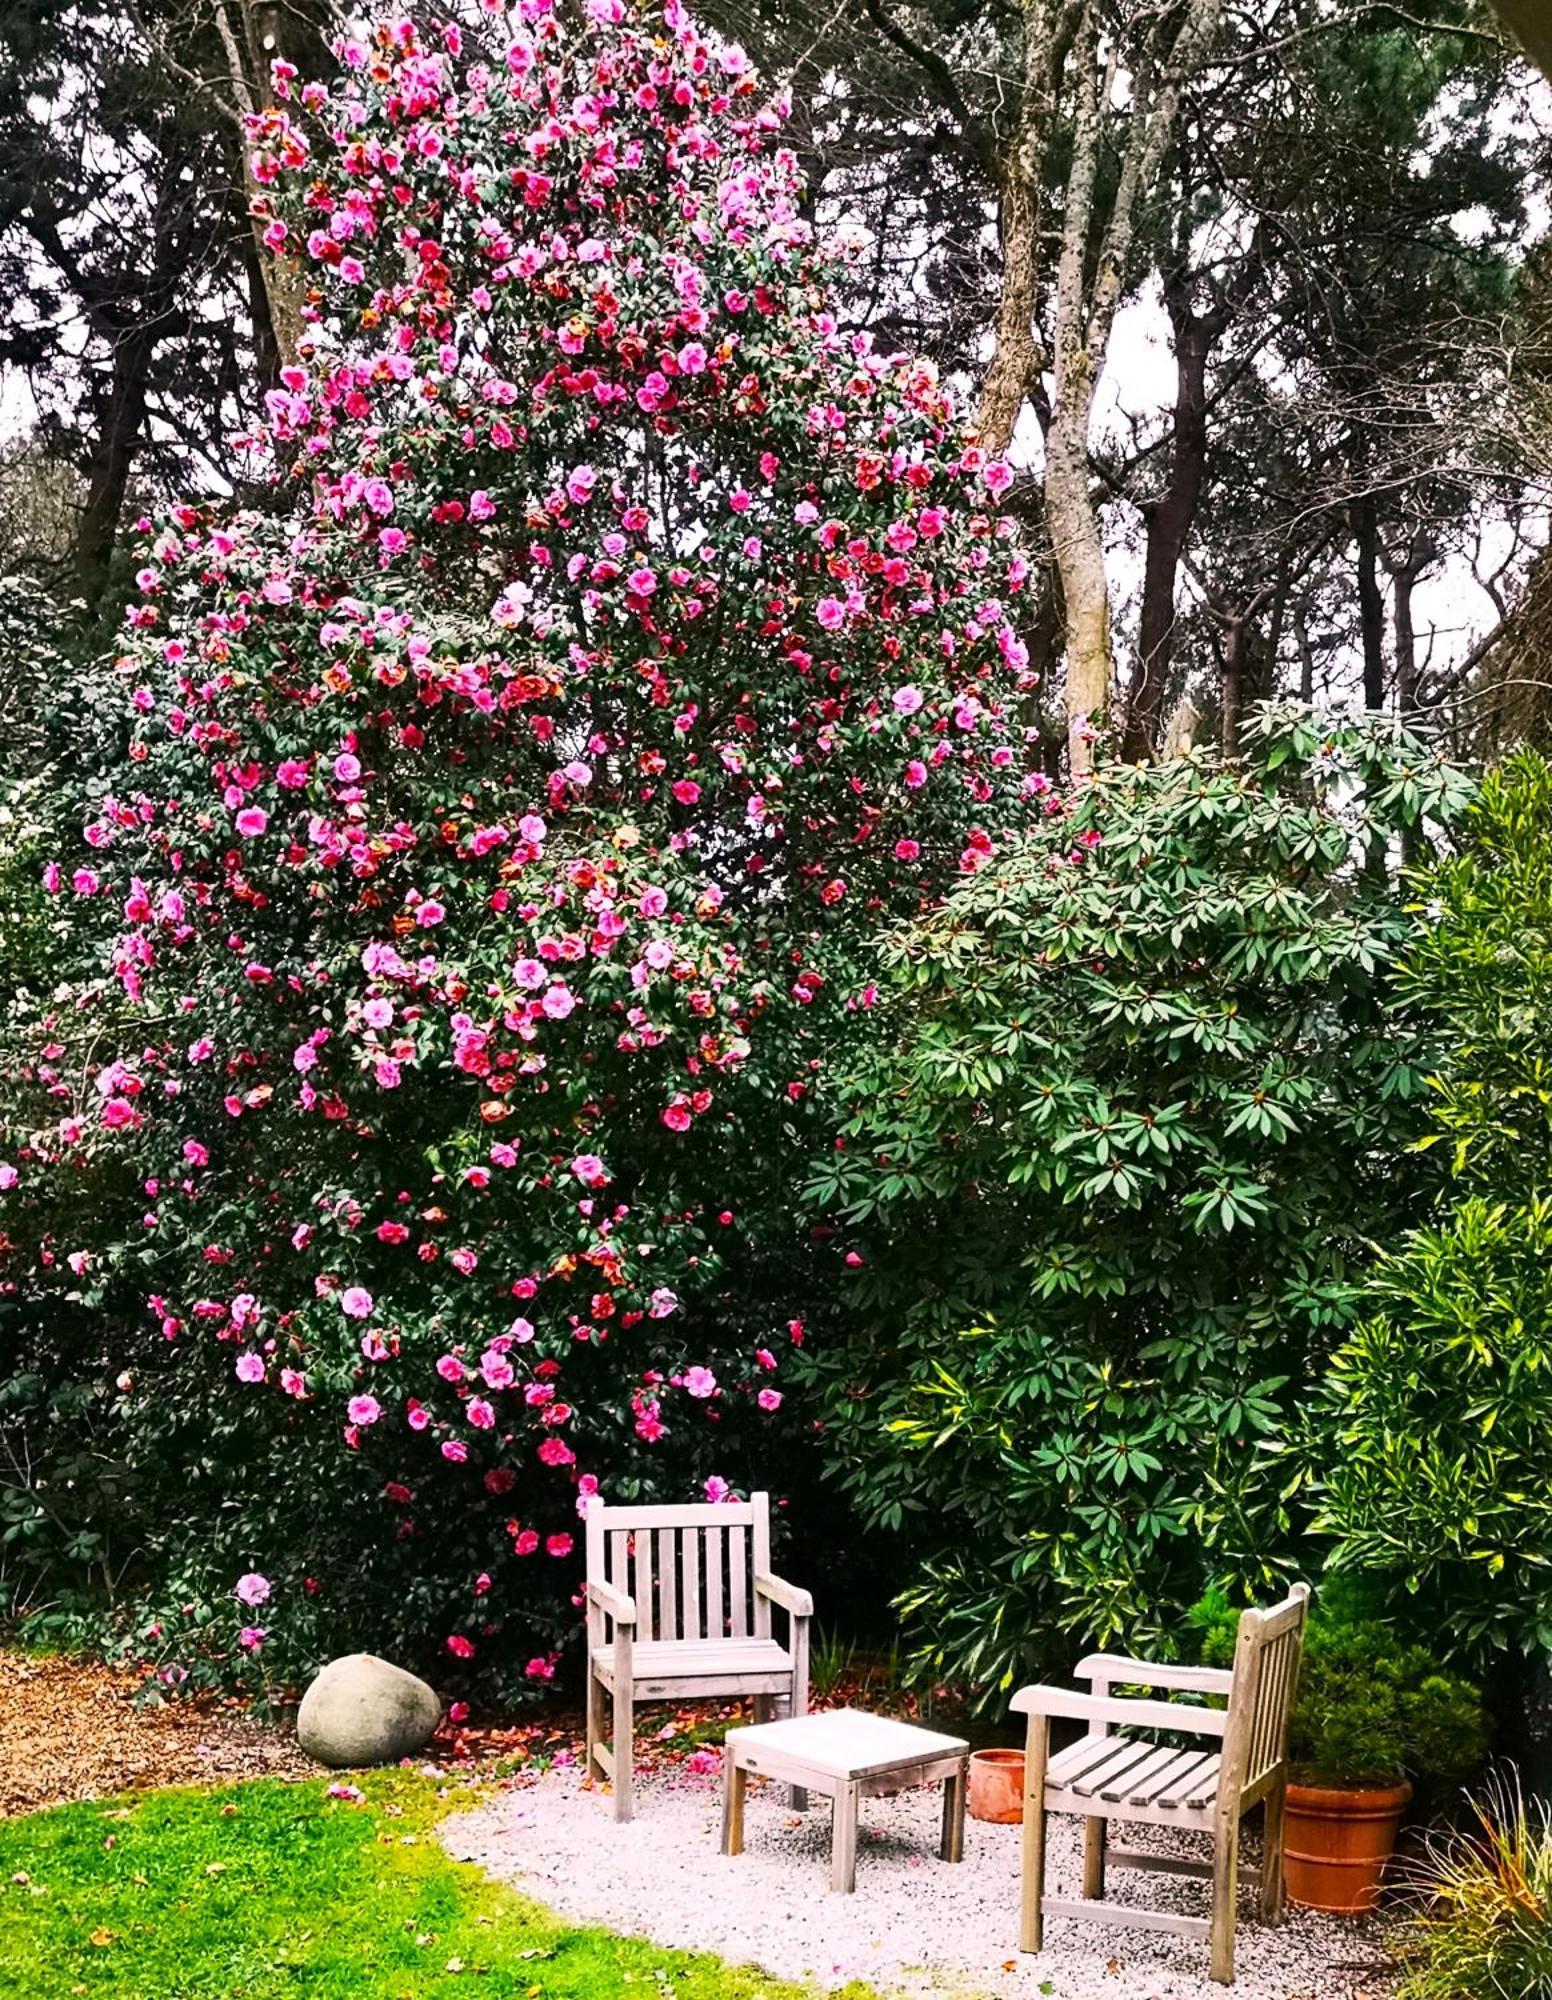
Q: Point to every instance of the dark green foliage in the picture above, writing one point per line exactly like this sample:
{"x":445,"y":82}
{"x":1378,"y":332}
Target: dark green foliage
{"x":1439,"y":1429}
{"x":1135,"y":1109}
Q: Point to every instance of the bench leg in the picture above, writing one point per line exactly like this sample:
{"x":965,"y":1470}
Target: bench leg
{"x":953,"y":1847}
{"x":843,"y":1849}
{"x":624,"y":1752}
{"x":1272,"y":1854}
{"x":1032,"y":1864}
{"x":734,"y":1780}
{"x":1225,"y":1884}
{"x":1094,"y":1831}
{"x":597,"y":1720}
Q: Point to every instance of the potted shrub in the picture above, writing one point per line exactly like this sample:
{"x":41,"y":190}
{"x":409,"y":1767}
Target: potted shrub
{"x":1373,"y":1716}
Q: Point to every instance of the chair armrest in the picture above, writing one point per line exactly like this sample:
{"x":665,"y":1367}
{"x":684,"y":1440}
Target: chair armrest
{"x":621,"y":1609}
{"x":1144,"y":1673}
{"x":1116,"y":1708}
{"x":799,"y":1603}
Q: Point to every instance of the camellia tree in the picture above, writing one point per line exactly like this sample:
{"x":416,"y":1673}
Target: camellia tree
{"x":614,"y":645}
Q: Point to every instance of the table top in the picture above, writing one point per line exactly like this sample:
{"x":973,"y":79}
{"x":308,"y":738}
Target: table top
{"x":847,"y":1742}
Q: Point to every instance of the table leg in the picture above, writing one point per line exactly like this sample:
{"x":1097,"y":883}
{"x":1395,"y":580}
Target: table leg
{"x":843,"y":1839}
{"x":953,"y":1846}
{"x":734,"y":1779}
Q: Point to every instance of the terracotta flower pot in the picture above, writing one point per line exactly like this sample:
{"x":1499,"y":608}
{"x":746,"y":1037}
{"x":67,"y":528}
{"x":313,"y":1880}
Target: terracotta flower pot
{"x":1337,"y":1843}
{"x":997,"y":1786}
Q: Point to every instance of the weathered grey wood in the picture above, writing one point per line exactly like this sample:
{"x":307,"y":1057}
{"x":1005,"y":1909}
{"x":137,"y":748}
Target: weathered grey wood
{"x":1130,"y":1914}
{"x":843,"y":1850}
{"x":738,"y":1584}
{"x":668,"y":1583}
{"x":690,"y":1575}
{"x":657,"y":1582}
{"x":623,"y":1747}
{"x":846,"y":1755}
{"x":1037,"y":1743}
{"x":1128,"y":1776}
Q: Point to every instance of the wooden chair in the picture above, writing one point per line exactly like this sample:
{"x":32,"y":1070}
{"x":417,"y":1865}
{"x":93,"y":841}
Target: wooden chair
{"x":1114,"y":1773}
{"x":679,"y":1609}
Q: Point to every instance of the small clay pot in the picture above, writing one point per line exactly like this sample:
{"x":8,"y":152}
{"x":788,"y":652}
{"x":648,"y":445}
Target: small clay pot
{"x":1337,"y":1842}
{"x":997,"y":1786}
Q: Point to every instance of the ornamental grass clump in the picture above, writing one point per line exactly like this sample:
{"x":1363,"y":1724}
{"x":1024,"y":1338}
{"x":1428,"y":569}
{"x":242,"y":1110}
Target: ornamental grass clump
{"x":610,"y":644}
{"x":1484,"y":1927}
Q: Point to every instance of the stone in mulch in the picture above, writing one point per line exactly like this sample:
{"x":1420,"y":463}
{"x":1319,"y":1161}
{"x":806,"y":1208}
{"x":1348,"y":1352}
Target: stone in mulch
{"x":915,"y":1923}
{"x":71,"y":1729}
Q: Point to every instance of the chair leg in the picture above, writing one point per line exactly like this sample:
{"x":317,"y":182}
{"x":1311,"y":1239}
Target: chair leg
{"x":953,"y":1843}
{"x":1032,"y":1867}
{"x":1225,"y":1886}
{"x":624,"y":1753}
{"x":1272,"y":1892}
{"x":596,"y":1722}
{"x":1094,"y":1831}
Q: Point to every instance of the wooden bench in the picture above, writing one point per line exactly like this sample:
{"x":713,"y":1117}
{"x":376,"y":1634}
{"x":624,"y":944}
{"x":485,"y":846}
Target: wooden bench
{"x":1114,"y":1773}
{"x":679,"y":1604}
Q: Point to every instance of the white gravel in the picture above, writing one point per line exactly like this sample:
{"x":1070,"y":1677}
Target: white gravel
{"x":915,"y":1924}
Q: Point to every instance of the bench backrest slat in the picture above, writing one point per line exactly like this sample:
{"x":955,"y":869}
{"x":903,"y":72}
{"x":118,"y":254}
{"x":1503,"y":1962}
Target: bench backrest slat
{"x":690,"y":1569}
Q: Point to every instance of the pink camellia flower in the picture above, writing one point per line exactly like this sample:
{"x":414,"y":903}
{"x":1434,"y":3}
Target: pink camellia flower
{"x":460,"y":1647}
{"x":692,"y":358}
{"x":718,"y":1490}
{"x":831,"y":613}
{"x":525,"y":1543}
{"x":450,"y":1368}
{"x":916,"y":774}
{"x":558,"y":1545}
{"x":769,"y":1399}
{"x":251,"y":1638}
{"x":428,"y":914}
{"x":252,"y":1589}
{"x":8,"y":1175}
{"x":356,"y":1302}
{"x":252,"y":821}
{"x":249,"y":1368}
{"x":907,"y":850}
{"x":292,"y":774}
{"x":293,"y":1383}
{"x":455,"y":1451}
{"x":686,"y":791}
{"x":700,"y":1382}
{"x":662,"y":1303}
{"x":540,"y":1670}
{"x":497,"y":1371}
{"x":676,"y":1116}
{"x":195,"y":1153}
{"x":480,"y":1413}
{"x":589,"y":1169}
{"x":907,"y":699}
{"x":348,"y":768}
{"x":558,"y":1002}
{"x":580,"y":483}
{"x":363,"y":1409}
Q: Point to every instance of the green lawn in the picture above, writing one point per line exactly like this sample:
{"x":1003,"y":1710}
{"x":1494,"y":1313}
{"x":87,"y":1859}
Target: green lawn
{"x":265,"y":1889}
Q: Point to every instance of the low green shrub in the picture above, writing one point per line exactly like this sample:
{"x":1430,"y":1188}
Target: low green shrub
{"x":1371,"y":1708}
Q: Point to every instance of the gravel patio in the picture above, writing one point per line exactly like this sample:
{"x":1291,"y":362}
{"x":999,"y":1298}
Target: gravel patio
{"x":914,"y":1924}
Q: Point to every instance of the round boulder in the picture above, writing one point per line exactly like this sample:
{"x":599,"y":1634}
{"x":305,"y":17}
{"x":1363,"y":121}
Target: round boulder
{"x":363,"y":1710}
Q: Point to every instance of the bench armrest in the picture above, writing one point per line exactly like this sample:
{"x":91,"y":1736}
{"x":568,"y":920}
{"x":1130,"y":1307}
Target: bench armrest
{"x":798,"y":1603}
{"x":1116,"y":1708}
{"x":1116,"y":1667}
{"x":621,"y":1609}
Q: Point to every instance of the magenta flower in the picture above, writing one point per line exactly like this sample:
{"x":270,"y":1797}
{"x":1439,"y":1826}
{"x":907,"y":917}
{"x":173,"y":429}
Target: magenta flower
{"x":700,"y":1382}
{"x":249,"y":1368}
{"x":252,"y":1589}
{"x":252,"y":821}
{"x":363,"y":1409}
{"x":356,"y":1302}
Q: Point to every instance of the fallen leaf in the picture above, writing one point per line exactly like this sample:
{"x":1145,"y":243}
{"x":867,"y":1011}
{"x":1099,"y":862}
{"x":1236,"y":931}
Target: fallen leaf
{"x":104,"y":1937}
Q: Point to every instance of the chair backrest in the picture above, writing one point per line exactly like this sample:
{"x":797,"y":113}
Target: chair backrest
{"x":690,"y":1569}
{"x":1267,"y":1652}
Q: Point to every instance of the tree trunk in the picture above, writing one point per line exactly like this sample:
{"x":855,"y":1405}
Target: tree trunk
{"x":1169,"y":527}
{"x":113,"y":456}
{"x":1371,"y":604}
{"x":1232,"y":694}
{"x":1016,"y":360}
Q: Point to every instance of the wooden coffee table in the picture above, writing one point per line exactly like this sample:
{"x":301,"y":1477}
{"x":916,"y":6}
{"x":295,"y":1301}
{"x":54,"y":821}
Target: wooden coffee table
{"x":847,"y":1755}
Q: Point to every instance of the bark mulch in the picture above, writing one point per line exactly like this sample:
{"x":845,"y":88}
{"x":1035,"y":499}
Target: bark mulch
{"x":70,"y":1729}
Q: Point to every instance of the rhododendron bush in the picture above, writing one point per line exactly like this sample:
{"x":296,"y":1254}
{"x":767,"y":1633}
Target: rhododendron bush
{"x":610,"y":645}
